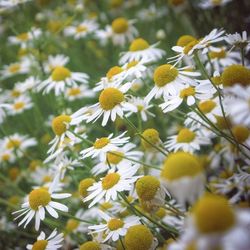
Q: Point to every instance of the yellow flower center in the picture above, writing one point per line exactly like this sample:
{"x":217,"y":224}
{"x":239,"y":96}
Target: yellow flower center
{"x":189,"y":46}
{"x":14,"y":68}
{"x":90,"y":245}
{"x":5,"y":157}
{"x":115,"y":224}
{"x":216,"y":80}
{"x":189,"y":91}
{"x":207,"y":106}
{"x":138,"y":237}
{"x":132,"y":64}
{"x":219,"y":55}
{"x":84,"y":185}
{"x":54,"y":26}
{"x":120,"y":25}
{"x":13,"y":173}
{"x":47,"y":179}
{"x":60,"y":74}
{"x":185,"y":40}
{"x":105,"y":206}
{"x":221,"y":122}
{"x":181,"y":164}
{"x":102,"y":142}
{"x":15,"y":93}
{"x":116,"y":3}
{"x":19,"y":105}
{"x":59,"y":124}
{"x":110,"y":180}
{"x":74,"y":91}
{"x":138,"y":44}
{"x":71,"y":225}
{"x":22,"y":52}
{"x":185,"y":135}
{"x":216,"y":2}
{"x":23,"y":36}
{"x":81,"y":28}
{"x":213,"y":214}
{"x":140,"y":108}
{"x":110,"y":97}
{"x":241,"y":133}
{"x":40,"y":245}
{"x":34,"y":164}
{"x":161,"y":213}
{"x":151,"y":135}
{"x":113,"y":71}
{"x":235,"y":74}
{"x":39,"y":197}
{"x":146,"y":187}
{"x":114,"y":157}
{"x":13,"y":143}
{"x":165,"y":74}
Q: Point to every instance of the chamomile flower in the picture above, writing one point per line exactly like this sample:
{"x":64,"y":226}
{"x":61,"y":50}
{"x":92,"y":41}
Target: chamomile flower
{"x":187,"y":140}
{"x":55,"y":61}
{"x":7,"y":156}
{"x":4,"y":107}
{"x":238,"y":40}
{"x":21,"y":104}
{"x":169,"y":79}
{"x":60,"y":78}
{"x":114,"y":182}
{"x":140,"y":49}
{"x":81,"y":30}
{"x":78,"y":92}
{"x":37,"y":201}
{"x":103,"y":145}
{"x":151,"y":13}
{"x":12,"y":69}
{"x":112,"y":103}
{"x":28,"y":85}
{"x":114,"y":227}
{"x":53,"y":242}
{"x":208,"y":4}
{"x":7,"y":4}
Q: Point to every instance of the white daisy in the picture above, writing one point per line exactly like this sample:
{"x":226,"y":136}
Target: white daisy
{"x":53,"y":242}
{"x":20,"y":104}
{"x":12,"y":69}
{"x":237,"y":40}
{"x":28,"y":85}
{"x":78,"y":92}
{"x":6,"y":156}
{"x":114,"y":227}
{"x":141,"y":50}
{"x":55,"y":61}
{"x":208,"y":4}
{"x":114,"y":182}
{"x":6,"y":4}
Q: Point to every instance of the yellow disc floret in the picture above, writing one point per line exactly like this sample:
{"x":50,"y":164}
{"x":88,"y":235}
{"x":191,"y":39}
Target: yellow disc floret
{"x":90,"y":245}
{"x":14,"y":68}
{"x":19,"y":105}
{"x":185,"y":40}
{"x":207,"y":106}
{"x":151,"y":135}
{"x":114,"y":157}
{"x":185,"y":135}
{"x":81,"y":28}
{"x":147,"y":187}
{"x":110,"y":180}
{"x":189,"y":46}
{"x":59,"y":124}
{"x":165,"y":74}
{"x":241,"y":133}
{"x":113,"y":71}
{"x":138,"y":237}
{"x":213,"y":214}
{"x":138,"y":44}
{"x":115,"y":224}
{"x":74,"y":91}
{"x":110,"y":97}
{"x":23,"y":36}
{"x":120,"y":25}
{"x":218,"y":54}
{"x":13,"y":143}
{"x":189,"y":91}
{"x":39,"y":197}
{"x":235,"y":74}
{"x":40,"y":245}
{"x":84,"y":185}
{"x":101,"y":143}
{"x":71,"y":225}
{"x":60,"y":74}
{"x":180,"y":164}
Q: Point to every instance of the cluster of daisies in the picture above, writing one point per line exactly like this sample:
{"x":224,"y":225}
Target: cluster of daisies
{"x":152,"y":153}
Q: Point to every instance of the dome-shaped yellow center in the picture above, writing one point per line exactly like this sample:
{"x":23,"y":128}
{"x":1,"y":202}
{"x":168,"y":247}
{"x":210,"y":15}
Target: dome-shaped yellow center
{"x":110,"y":97}
{"x":114,"y":157}
{"x":59,"y":124}
{"x":14,"y":68}
{"x":81,"y":28}
{"x":60,"y":74}
{"x":120,"y":25}
{"x":189,"y":91}
{"x":180,"y":164}
{"x":40,"y":245}
{"x":189,"y":46}
{"x":71,"y":225}
{"x":235,"y":74}
{"x":115,"y":224}
{"x":19,"y":105}
{"x":216,"y":80}
{"x":161,"y":213}
{"x":39,"y":197}
{"x":105,"y":206}
{"x":207,"y":106}
{"x":84,"y":185}
{"x":110,"y":180}
{"x":116,"y":3}
{"x":185,"y":135}
{"x":138,"y":237}
{"x":241,"y":133}
{"x":165,"y":74}
{"x":138,"y":44}
{"x":132,"y":64}
{"x":23,"y":36}
{"x":147,"y":187}
{"x":185,"y":40}
{"x":15,"y":93}
{"x":5,"y":157}
{"x":74,"y":91}
{"x":90,"y":245}
{"x":218,"y":54}
{"x":216,"y":2}
{"x":151,"y":135}
{"x":113,"y":71}
{"x":13,"y":143}
{"x":101,"y":143}
{"x":213,"y":214}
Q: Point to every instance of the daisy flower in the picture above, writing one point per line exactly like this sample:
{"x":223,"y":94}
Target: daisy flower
{"x":169,"y":79}
{"x":53,"y":242}
{"x":28,"y":85}
{"x":208,"y":4}
{"x":4,"y":107}
{"x":38,"y":200}
{"x":186,"y":140}
{"x":114,"y":182}
{"x":6,"y":155}
{"x":78,"y":92}
{"x":151,"y":13}
{"x":114,"y":228}
{"x":55,"y":61}
{"x":20,"y":104}
{"x":142,"y":108}
{"x":103,"y":145}
{"x":12,"y":69}
{"x":237,"y":40}
{"x":112,"y":103}
{"x":6,"y":4}
{"x":140,"y":49}
{"x":188,"y":94}
{"x":60,"y":78}
{"x":81,"y":30}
